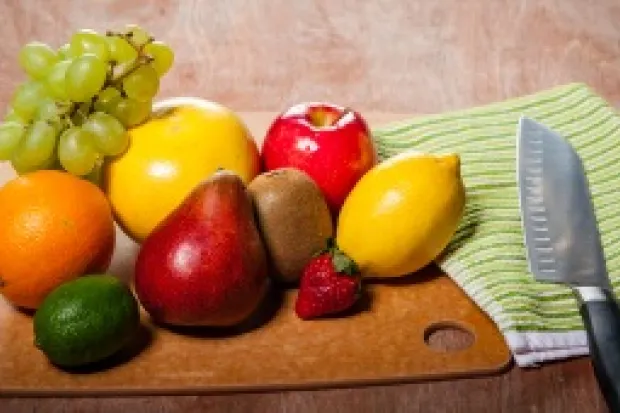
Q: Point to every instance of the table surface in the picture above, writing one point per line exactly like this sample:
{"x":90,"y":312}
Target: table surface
{"x":403,"y":56}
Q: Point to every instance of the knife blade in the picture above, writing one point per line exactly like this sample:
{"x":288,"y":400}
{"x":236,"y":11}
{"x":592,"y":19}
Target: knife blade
{"x":563,"y":243}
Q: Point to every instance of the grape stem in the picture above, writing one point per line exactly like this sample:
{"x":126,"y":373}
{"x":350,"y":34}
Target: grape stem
{"x":135,"y":65}
{"x":116,"y":78}
{"x":126,"y":70}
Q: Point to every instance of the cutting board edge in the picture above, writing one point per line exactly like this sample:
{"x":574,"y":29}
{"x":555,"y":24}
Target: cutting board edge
{"x":264,"y":388}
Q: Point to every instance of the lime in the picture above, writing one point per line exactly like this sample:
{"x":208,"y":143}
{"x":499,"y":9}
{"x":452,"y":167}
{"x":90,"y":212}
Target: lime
{"x":86,"y":320}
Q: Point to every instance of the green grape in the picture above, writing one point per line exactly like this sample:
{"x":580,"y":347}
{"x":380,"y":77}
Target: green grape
{"x":21,"y":168}
{"x":76,"y":153}
{"x":64,"y":52}
{"x":10,"y":135}
{"x":49,"y":111}
{"x":36,"y":148}
{"x":107,"y":99}
{"x":162,"y":55}
{"x":110,"y":136}
{"x":142,"y":84}
{"x":137,"y":35}
{"x":27,"y":98}
{"x":12,"y":116}
{"x":85,"y":77}
{"x":89,"y":41}
{"x":131,"y":112}
{"x":55,"y":80}
{"x":36,"y":59}
{"x":121,"y":51}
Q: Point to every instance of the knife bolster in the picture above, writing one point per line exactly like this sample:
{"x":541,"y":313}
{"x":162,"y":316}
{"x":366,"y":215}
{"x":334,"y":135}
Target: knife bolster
{"x":591,"y":294}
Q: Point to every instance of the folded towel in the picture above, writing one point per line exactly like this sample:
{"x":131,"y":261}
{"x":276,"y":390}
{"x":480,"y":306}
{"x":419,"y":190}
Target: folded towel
{"x":486,"y":257}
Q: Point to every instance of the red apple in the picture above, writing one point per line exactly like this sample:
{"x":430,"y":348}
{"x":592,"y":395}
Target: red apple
{"x":329,"y":142}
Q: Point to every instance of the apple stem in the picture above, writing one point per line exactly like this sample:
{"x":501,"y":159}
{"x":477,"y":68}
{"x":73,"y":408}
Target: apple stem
{"x":323,"y":118}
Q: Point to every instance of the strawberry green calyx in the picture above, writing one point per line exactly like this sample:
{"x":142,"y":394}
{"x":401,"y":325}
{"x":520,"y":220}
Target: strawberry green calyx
{"x":342,"y":262}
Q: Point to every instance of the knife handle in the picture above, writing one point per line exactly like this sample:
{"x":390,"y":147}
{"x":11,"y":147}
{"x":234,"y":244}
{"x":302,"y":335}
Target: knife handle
{"x":601,"y":317}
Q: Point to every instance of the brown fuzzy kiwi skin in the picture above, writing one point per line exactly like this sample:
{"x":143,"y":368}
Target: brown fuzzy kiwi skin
{"x":293,"y":218}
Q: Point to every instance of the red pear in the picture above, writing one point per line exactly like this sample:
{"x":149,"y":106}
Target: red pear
{"x":205,"y":264}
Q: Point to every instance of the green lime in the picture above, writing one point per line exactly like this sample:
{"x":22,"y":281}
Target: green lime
{"x":86,"y":320}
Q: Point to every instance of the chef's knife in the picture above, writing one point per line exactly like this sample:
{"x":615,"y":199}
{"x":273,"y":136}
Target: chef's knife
{"x":563,"y":244}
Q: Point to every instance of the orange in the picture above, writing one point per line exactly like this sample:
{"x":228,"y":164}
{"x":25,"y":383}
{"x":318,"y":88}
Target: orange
{"x":54,"y":227}
{"x":185,"y":141}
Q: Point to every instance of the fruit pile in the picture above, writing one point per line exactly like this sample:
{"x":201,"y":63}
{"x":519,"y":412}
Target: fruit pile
{"x":78,"y":101}
{"x":218,"y":220}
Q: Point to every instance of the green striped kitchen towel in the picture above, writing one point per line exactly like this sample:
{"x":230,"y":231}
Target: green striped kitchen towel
{"x":486,"y":257}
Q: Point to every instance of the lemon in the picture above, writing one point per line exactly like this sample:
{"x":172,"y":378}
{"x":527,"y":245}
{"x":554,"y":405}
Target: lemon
{"x":402,"y":213}
{"x":185,"y":141}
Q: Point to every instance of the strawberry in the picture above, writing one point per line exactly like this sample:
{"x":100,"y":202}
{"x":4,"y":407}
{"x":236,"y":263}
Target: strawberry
{"x":330,"y":283}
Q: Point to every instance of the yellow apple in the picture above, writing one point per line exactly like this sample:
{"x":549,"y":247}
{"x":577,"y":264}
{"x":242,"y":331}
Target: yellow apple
{"x":185,"y":141}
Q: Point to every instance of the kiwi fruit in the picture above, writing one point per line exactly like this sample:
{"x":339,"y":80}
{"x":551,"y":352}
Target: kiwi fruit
{"x":293,"y":218}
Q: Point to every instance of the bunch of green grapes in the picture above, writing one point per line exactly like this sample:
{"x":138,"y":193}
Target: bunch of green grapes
{"x":79,"y":100}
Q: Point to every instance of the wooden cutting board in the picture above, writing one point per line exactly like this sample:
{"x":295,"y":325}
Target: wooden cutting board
{"x":403,"y":330}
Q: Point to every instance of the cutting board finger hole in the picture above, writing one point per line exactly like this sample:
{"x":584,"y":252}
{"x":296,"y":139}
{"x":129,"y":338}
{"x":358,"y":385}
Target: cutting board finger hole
{"x":447,"y":336}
